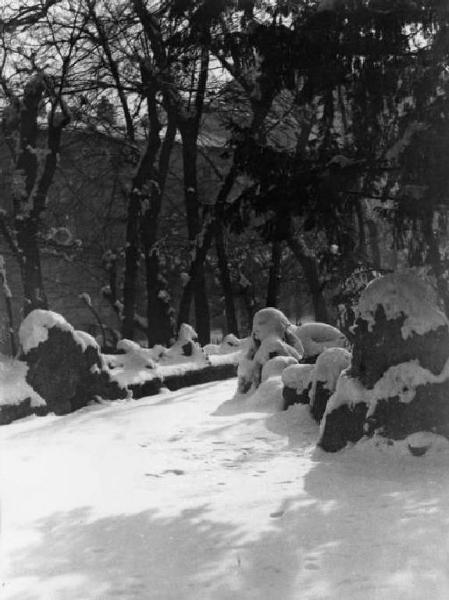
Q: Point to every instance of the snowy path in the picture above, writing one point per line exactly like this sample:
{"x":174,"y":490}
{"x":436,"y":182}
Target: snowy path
{"x":186,"y":496}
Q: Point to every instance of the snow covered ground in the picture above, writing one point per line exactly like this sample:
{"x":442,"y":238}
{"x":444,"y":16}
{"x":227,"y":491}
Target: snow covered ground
{"x":188,"y":495}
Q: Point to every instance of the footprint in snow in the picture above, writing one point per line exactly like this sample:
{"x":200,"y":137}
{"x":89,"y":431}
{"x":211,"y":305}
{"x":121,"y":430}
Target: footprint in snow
{"x":277,"y":514}
{"x":310,"y":566}
{"x":175,"y":471}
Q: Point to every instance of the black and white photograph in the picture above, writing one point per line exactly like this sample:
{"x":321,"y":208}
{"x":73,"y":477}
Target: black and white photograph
{"x":224,"y":299}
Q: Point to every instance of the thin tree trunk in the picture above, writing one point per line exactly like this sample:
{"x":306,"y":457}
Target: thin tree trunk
{"x":160,"y":320}
{"x":249,"y":300}
{"x":274,"y":275}
{"x":27,"y":239}
{"x":204,"y":243}
{"x":131,"y":263}
{"x":198,"y":283}
{"x":34,"y":173}
{"x":144,"y":172}
{"x":434,"y":258}
{"x":225,"y":280}
{"x":8,"y":302}
{"x":374,"y":244}
{"x":310,"y":269}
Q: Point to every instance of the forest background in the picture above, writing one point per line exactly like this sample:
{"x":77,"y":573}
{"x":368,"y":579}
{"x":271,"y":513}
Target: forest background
{"x":194,"y":161}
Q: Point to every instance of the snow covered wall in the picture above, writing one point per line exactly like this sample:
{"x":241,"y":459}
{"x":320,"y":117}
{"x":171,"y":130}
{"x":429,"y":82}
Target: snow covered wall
{"x":398,"y":383}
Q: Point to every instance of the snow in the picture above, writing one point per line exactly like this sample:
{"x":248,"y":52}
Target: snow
{"x":186,"y":335}
{"x":225,"y":359}
{"x":13,"y":386}
{"x":348,"y":390}
{"x":86,"y":339}
{"x":229,"y":345}
{"x":276,"y":366}
{"x":317,"y":337}
{"x":272,"y":323}
{"x":402,"y":294}
{"x":329,"y":365}
{"x":34,"y":330}
{"x":273,"y":345}
{"x":136,"y":365}
{"x":298,"y":377}
{"x":398,"y":381}
{"x":195,"y":495}
{"x":426,"y":439}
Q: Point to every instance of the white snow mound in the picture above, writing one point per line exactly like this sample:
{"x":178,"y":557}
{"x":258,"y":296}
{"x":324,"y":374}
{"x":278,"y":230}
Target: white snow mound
{"x":297,"y":377}
{"x":34,"y":330}
{"x":402,"y":294}
{"x":275,"y":366}
{"x":13,"y":386}
{"x":329,"y":365}
{"x":274,"y":345}
{"x":317,"y":337}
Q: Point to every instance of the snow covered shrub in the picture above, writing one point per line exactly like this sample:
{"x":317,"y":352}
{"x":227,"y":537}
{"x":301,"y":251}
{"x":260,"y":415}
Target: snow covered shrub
{"x":186,"y":345}
{"x":297,"y":382}
{"x":317,"y":337}
{"x":398,"y":383}
{"x":327,"y":369}
{"x":275,"y":366}
{"x":272,"y":335}
{"x":65,"y":366}
{"x":17,"y":398}
{"x":230,"y":343}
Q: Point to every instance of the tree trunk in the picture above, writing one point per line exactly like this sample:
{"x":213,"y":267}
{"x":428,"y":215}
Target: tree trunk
{"x":374,"y":244}
{"x":160,"y":318}
{"x":310,"y":269}
{"x":248,"y":295}
{"x":434,"y":258}
{"x":131,"y":264}
{"x":225,"y":280}
{"x":198,"y":282}
{"x":34,"y":173}
{"x":160,"y":314}
{"x":274,"y":275}
{"x":145,"y":171}
{"x":34,"y":294}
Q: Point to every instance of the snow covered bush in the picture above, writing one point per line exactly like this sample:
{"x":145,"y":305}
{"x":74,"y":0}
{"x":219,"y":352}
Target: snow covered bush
{"x":230,"y":343}
{"x":65,"y":366}
{"x":136,"y":367}
{"x":275,"y":366}
{"x":17,"y":398}
{"x":398,"y":383}
{"x":186,"y":346}
{"x":317,"y":337}
{"x":272,"y":335}
{"x":327,"y":369}
{"x":297,"y":382}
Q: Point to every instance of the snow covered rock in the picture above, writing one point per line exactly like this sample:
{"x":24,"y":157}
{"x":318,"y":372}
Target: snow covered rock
{"x":17,"y":398}
{"x":327,"y":370}
{"x":317,"y":337}
{"x":272,"y":335}
{"x":297,"y":381}
{"x":398,"y":383}
{"x":65,"y":366}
